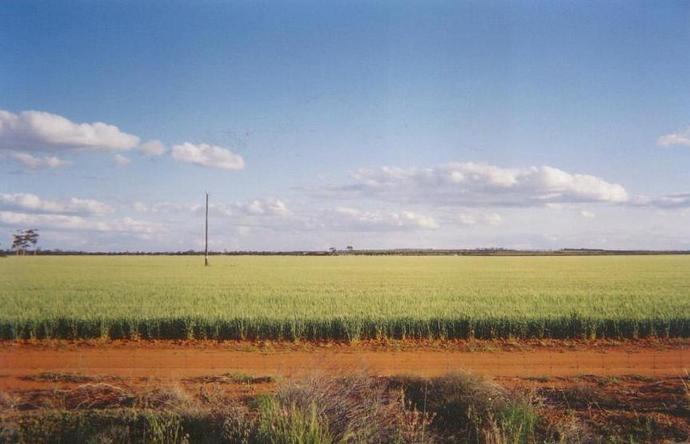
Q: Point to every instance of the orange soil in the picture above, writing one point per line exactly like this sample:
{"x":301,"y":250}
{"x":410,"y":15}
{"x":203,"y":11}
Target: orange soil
{"x":169,"y":361}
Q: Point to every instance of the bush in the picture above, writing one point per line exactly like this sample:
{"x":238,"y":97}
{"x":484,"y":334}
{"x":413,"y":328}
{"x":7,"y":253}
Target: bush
{"x":291,"y":424}
{"x":356,"y":408}
{"x":470,"y":409}
{"x":457,"y":408}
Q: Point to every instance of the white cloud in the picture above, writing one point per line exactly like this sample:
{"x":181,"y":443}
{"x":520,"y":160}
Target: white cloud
{"x":269,"y":206}
{"x":587,"y":214}
{"x":467,"y":219}
{"x":140,"y":207}
{"x":167,"y":207}
{"x":274,"y":214}
{"x":493,"y":219}
{"x":68,"y":222}
{"x":152,"y":148}
{"x":121,"y":161}
{"x":253,"y":208}
{"x":129,"y":225}
{"x":676,"y":200}
{"x":43,"y":220}
{"x":37,"y":162}
{"x":473,"y":218}
{"x":679,"y":138}
{"x":34,"y":204}
{"x":420,"y":220}
{"x":480,"y":184}
{"x":271,"y":223}
{"x":355,"y":219}
{"x":37,"y":130}
{"x":211,"y":156}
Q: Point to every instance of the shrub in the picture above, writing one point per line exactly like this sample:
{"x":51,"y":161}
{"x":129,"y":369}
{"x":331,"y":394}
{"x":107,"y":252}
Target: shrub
{"x":292,"y":424}
{"x":356,"y":408}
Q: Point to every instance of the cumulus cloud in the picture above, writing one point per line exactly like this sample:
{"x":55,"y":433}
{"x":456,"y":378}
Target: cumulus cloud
{"x":129,"y":225}
{"x":167,"y":207}
{"x":25,"y":132}
{"x":37,"y":162}
{"x":206,"y":155}
{"x":493,"y":219}
{"x":668,"y":201}
{"x":34,"y":204}
{"x":140,"y":207}
{"x":481,"y":184}
{"x":44,"y":220}
{"x":274,"y":214}
{"x":355,"y":219}
{"x":70,"y":222}
{"x":121,"y":161}
{"x":268,"y":206}
{"x":38,"y":130}
{"x":152,"y":148}
{"x":679,"y":138}
{"x":256,"y":207}
{"x":677,"y":200}
{"x":470,"y":218}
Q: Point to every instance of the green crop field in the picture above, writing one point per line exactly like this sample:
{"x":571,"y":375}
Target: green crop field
{"x":344,"y":297}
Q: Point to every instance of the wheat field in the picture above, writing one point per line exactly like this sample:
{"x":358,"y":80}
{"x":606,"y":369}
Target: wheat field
{"x":344,"y":297}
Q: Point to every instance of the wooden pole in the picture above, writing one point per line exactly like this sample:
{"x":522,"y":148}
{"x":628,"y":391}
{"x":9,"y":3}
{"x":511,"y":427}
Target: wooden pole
{"x":206,"y":235}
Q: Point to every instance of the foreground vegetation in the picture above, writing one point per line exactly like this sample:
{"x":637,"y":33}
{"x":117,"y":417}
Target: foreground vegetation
{"x":345,"y":298}
{"x":456,"y":408}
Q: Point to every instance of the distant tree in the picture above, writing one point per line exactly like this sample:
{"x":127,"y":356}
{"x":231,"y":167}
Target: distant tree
{"x":19,"y":243}
{"x":332,"y":250}
{"x":22,"y":240}
{"x":32,"y":237}
{"x":350,"y":248}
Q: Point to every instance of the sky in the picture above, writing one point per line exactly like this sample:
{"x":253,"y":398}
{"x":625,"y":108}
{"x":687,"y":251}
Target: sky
{"x":406,"y":124}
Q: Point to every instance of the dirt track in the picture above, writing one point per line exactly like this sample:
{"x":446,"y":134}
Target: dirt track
{"x":170,"y":361}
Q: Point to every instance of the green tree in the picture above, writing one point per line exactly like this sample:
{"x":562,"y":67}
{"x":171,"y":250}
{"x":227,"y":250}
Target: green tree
{"x":22,"y":240}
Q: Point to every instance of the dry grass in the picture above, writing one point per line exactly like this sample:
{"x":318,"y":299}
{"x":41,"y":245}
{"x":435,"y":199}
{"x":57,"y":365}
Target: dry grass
{"x":97,"y":396}
{"x":231,"y":378}
{"x":356,"y":408}
{"x":74,"y":378}
{"x":7,"y":401}
{"x":165,"y":398}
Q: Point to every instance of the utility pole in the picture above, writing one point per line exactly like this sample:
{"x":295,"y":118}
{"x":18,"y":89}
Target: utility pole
{"x":206,"y":235}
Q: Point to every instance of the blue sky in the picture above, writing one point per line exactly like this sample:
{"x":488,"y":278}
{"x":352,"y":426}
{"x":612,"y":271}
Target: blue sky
{"x":317,"y":124}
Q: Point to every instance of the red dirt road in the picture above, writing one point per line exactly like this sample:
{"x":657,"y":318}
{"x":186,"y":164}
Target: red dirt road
{"x":171,"y":361}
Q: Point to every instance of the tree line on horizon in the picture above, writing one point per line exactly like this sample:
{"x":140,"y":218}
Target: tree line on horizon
{"x":26,"y":240}
{"x":392,"y":252}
